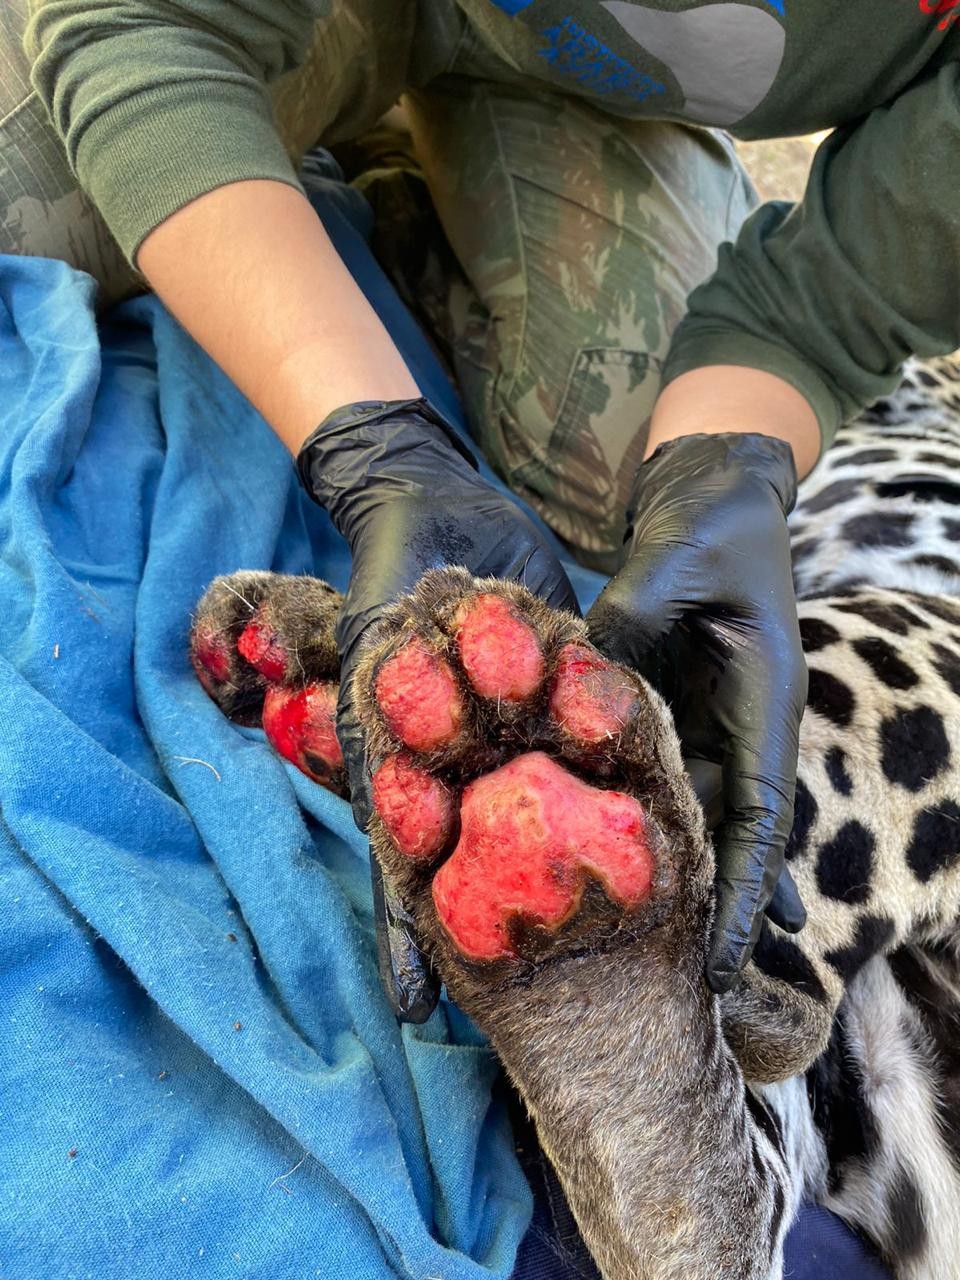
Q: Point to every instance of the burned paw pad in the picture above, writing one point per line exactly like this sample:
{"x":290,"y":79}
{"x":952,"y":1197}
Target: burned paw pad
{"x":416,"y":807}
{"x":301,"y":725}
{"x":418,"y":697}
{"x":211,"y":657}
{"x":262,"y":646}
{"x":500,"y":652}
{"x":531,"y":833}
{"x":501,"y":741}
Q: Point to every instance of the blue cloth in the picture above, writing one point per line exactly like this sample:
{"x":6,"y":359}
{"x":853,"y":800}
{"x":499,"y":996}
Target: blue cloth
{"x":236,"y":1108}
{"x":199,"y":1074}
{"x":822,"y":1247}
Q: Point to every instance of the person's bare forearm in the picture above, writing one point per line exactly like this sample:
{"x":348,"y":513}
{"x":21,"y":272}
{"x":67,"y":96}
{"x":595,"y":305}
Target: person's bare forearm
{"x":250,"y":272}
{"x":721,"y":398}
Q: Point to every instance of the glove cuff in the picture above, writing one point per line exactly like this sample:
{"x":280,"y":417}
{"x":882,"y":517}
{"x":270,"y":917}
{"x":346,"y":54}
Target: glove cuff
{"x":765,"y":458}
{"x":339,"y":454}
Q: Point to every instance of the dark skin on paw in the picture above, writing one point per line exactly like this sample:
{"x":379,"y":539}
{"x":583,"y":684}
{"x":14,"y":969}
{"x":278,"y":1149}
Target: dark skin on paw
{"x":520,"y":802}
{"x":262,"y":646}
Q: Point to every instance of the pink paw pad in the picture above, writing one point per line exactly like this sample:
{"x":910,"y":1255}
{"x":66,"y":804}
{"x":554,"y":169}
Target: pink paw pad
{"x":418,"y":696}
{"x":210,"y":655}
{"x":590,"y":699}
{"x":301,"y":725}
{"x":260,"y":645}
{"x":415,"y":807}
{"x":500,"y":653}
{"x":530,"y":835}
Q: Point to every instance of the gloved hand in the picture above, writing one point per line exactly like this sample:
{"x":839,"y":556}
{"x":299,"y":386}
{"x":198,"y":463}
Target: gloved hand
{"x":704,"y":607}
{"x":405,"y":493}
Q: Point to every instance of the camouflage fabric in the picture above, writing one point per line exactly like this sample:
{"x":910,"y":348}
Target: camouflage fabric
{"x":552,"y":268}
{"x":577,"y":238}
{"x":345,"y":83}
{"x":42,"y":210}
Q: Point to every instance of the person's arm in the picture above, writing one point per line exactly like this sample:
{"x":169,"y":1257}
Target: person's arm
{"x":808,"y":318}
{"x":164,"y":113}
{"x":833,"y":294}
{"x":721,"y":398}
{"x":249,"y":270}
{"x":159,"y":101}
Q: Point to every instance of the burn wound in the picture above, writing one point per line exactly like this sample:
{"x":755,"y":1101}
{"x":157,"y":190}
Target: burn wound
{"x":590,"y":699}
{"x":418,"y":697}
{"x":301,"y":726}
{"x":500,"y":653}
{"x":530,"y":834}
{"x":416,"y":808}
{"x":211,"y":656}
{"x":261,"y":647}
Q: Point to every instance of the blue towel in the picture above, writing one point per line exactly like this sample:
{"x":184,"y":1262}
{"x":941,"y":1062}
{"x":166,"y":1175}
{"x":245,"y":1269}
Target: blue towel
{"x":199,"y":1074}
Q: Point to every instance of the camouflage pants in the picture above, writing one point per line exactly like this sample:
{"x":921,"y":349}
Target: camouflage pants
{"x":570,"y":240}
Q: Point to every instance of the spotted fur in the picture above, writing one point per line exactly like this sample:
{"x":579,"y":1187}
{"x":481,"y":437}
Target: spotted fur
{"x":876,"y":842}
{"x":687,"y":1129}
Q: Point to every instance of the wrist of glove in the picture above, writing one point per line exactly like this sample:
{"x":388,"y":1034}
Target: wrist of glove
{"x":368,"y":452}
{"x":704,"y":607}
{"x":698,"y":468}
{"x":359,"y":458}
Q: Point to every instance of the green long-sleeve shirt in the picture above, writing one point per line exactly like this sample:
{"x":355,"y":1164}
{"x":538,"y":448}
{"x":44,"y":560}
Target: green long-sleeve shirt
{"x":159,"y":101}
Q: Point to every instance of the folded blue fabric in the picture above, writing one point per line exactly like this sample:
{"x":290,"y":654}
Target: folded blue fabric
{"x":199,"y":1074}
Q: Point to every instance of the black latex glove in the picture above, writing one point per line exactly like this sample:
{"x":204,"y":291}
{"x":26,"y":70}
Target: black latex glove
{"x":704,"y":607}
{"x":405,"y":493}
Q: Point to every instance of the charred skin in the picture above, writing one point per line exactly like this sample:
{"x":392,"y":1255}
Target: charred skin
{"x":262,"y":646}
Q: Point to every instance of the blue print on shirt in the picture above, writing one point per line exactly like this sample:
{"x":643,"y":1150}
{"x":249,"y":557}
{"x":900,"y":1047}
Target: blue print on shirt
{"x":724,"y":57}
{"x":513,"y":6}
{"x":517,"y":6}
{"x":595,"y":66}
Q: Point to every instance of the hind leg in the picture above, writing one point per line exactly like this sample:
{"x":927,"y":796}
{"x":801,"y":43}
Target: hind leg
{"x":262,"y":646}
